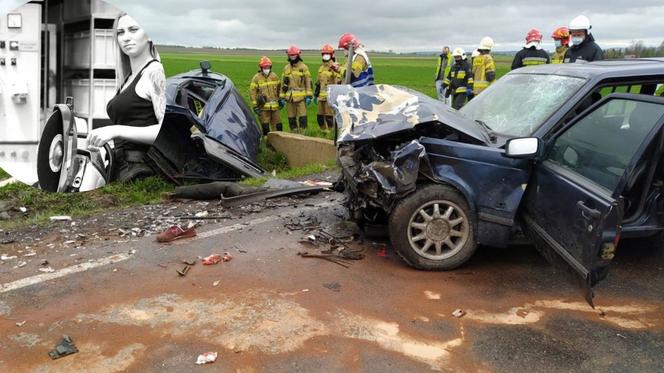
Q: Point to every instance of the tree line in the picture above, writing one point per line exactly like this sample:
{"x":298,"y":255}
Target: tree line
{"x":636,"y":49}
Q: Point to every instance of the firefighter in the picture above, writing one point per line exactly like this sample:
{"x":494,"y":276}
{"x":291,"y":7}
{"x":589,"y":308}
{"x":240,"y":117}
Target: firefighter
{"x":264,"y":92}
{"x":484,"y":69}
{"x":583,"y":43}
{"x":362,"y":72}
{"x":561,"y":39}
{"x":532,"y":53}
{"x":326,"y":76}
{"x":459,"y":81}
{"x":296,"y":89}
{"x":442,"y":68}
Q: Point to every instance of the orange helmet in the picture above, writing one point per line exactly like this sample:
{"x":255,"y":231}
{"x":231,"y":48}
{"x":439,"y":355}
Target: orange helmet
{"x":533,"y":35}
{"x":562,"y":34}
{"x":264,"y":62}
{"x":347,"y":39}
{"x":293,"y":51}
{"x":327,"y":49}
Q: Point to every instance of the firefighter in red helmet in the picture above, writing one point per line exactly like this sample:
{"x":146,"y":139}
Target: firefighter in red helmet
{"x":296,"y":89}
{"x":362,"y":73}
{"x":561,"y":38}
{"x":326,"y":76}
{"x":264,"y":92}
{"x":532,"y":53}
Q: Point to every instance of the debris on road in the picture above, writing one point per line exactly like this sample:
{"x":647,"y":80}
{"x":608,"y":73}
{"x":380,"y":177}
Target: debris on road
{"x":227,"y":257}
{"x":431,"y":295}
{"x":7,"y":257}
{"x":23,"y":209}
{"x":216,"y":283}
{"x":334,"y":286}
{"x":206,"y":358}
{"x":64,"y":348}
{"x":261,"y":196}
{"x":183,"y":271}
{"x":458,"y":313}
{"x":176,"y":232}
{"x":329,"y":257}
{"x":21,"y":264}
{"x":201,"y":214}
{"x":189,"y":262}
{"x":60,"y":218}
{"x":382,"y":252}
{"x":47,"y":270}
{"x":212,"y":259}
{"x":21,"y":323}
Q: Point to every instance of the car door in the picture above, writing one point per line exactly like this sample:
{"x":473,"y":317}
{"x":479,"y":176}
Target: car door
{"x":573,"y":205}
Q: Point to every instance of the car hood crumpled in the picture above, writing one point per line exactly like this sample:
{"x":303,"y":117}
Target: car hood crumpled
{"x":370,"y":112}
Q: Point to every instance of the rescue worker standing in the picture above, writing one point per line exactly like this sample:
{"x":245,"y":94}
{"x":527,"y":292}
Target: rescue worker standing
{"x":264,"y":92}
{"x":326,"y":76}
{"x":532,"y":53}
{"x":442,"y":68}
{"x":484,"y":69}
{"x":296,"y":89}
{"x":583,"y":43}
{"x":561,"y":39}
{"x":362,"y":73}
{"x":459,"y":81}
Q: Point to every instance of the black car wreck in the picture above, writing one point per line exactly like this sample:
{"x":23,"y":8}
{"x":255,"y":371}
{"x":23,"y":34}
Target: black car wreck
{"x":208,"y":134}
{"x":555,"y":151}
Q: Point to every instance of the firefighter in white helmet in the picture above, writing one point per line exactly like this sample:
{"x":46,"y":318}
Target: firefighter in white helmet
{"x":459,"y":81}
{"x":583,"y":43}
{"x":484,"y":69}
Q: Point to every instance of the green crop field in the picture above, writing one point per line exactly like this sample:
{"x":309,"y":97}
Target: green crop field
{"x":412,"y":72}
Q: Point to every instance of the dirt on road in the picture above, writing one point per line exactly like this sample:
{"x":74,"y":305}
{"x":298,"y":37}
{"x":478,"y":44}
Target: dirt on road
{"x":269,"y":309}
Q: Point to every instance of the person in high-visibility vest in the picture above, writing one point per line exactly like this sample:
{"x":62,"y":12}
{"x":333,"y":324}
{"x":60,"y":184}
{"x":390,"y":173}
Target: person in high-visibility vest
{"x":326,"y":76}
{"x":442,"y":69}
{"x":459,"y":81}
{"x":484,"y":68}
{"x":561,"y":39}
{"x":264,"y":92}
{"x":296,"y":89}
{"x":362,"y":73}
{"x":532,"y":53}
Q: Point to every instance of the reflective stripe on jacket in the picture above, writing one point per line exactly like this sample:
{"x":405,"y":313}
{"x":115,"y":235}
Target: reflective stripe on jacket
{"x":444,"y":65}
{"x":530,"y":57}
{"x":266,"y":86}
{"x":559,"y":55}
{"x":296,"y":82}
{"x":362,"y":74}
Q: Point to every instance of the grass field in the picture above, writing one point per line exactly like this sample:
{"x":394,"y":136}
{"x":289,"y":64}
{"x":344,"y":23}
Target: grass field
{"x":412,"y":72}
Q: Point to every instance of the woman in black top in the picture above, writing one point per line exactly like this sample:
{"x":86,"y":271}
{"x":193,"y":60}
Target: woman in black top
{"x":137,"y":110}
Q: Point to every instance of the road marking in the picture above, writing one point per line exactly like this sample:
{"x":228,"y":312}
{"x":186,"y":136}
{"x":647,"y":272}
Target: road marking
{"x":251,"y":223}
{"x":28,"y":281}
{"x":18,"y":284}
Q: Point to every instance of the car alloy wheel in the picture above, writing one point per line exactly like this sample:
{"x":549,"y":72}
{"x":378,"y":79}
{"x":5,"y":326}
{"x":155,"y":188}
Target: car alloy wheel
{"x":438,"y":230}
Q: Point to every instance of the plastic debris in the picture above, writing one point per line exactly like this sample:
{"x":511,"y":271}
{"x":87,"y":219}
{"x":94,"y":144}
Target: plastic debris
{"x":7,"y":257}
{"x":212,"y":259}
{"x":47,"y":270}
{"x":458,"y":313}
{"x":23,"y":209}
{"x":60,"y":218}
{"x":201,"y":214}
{"x":206,"y":358}
{"x":216,"y":283}
{"x":64,"y":348}
{"x":21,"y":264}
{"x":20,"y":323}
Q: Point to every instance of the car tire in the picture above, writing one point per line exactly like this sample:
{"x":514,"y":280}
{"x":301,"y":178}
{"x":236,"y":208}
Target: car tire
{"x":431,"y":229}
{"x":49,"y":178}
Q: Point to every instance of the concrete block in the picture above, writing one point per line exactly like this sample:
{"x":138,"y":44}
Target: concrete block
{"x":302,"y":150}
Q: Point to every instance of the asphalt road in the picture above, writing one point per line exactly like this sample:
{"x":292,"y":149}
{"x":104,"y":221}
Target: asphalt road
{"x":127,"y":309}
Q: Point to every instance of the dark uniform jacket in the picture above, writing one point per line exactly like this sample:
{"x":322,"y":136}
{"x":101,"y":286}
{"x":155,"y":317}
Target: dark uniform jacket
{"x":459,"y":78}
{"x":530,"y":57}
{"x":586,"y":51}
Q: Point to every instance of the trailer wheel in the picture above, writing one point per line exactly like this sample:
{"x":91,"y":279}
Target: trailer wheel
{"x":50,"y":154}
{"x":431,"y":229}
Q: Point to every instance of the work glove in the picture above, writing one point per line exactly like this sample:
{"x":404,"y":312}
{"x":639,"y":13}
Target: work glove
{"x":282,"y":103}
{"x":307,"y":100}
{"x":448,"y":93}
{"x":257,"y":110}
{"x":469,"y":92}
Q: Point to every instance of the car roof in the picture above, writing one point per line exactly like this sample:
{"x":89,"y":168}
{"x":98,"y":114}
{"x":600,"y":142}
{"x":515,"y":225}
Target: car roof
{"x":600,"y":69}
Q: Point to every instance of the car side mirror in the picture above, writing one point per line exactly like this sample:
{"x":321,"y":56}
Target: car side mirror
{"x":524,"y":147}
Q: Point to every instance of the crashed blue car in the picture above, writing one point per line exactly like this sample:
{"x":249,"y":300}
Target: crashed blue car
{"x":208,"y":134}
{"x":569,"y":155}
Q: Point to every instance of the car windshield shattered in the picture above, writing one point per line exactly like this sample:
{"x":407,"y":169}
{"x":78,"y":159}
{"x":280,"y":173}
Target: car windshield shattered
{"x":517,"y":104}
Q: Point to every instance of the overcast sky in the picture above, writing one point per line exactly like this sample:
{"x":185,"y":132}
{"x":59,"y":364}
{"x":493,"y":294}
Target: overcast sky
{"x":400,"y":25}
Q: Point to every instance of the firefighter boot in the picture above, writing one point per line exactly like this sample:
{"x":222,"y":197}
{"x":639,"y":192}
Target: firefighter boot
{"x":266,"y":129}
{"x":330,"y":121}
{"x":292,"y":124}
{"x":321,"y":121}
{"x":303,"y":123}
{"x":280,"y":127}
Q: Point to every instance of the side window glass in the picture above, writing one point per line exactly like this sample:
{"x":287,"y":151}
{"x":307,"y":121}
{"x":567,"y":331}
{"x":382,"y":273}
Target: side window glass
{"x":600,"y":146}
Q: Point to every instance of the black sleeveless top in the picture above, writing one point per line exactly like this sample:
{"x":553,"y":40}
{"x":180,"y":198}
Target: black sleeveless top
{"x":127,"y":108}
